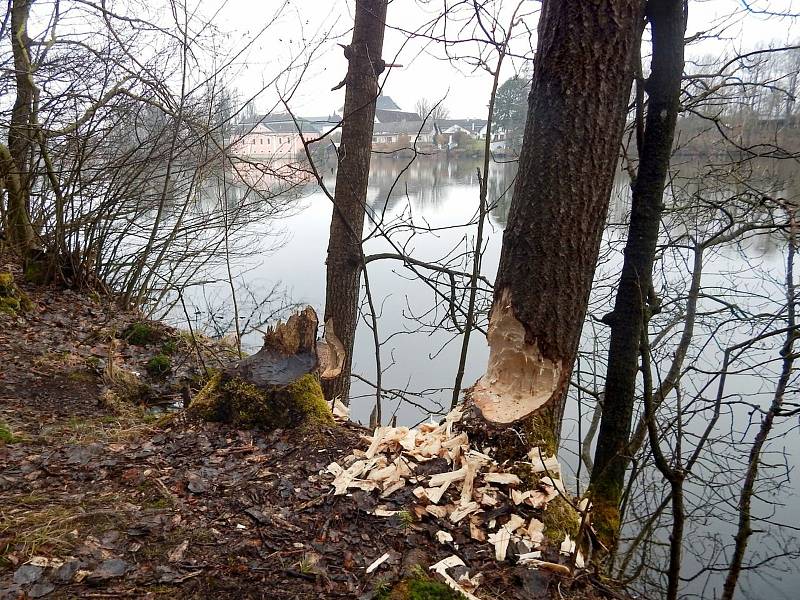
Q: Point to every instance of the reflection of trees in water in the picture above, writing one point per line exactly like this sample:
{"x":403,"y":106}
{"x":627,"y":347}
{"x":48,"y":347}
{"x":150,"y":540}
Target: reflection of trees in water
{"x":423,"y":182}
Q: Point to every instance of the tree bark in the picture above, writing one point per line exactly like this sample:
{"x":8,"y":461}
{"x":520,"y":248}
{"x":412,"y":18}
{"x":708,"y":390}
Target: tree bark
{"x":345,"y":257}
{"x":15,"y":160}
{"x":576,"y":114}
{"x":277,"y":387}
{"x":635,"y":300}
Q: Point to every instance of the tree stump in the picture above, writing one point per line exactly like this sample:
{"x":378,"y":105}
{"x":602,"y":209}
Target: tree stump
{"x":279,"y":386}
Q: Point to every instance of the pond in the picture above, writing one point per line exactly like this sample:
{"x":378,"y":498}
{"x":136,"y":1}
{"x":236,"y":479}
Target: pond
{"x":439,"y":197}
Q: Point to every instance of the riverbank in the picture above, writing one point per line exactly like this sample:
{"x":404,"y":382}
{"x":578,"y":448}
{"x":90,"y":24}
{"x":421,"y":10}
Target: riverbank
{"x":102,"y":496}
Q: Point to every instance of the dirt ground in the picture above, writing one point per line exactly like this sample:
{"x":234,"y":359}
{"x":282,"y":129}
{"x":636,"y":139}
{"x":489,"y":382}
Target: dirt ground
{"x":101,"y":497}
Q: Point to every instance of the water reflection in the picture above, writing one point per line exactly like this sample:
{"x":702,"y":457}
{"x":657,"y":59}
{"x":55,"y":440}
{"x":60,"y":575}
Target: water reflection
{"x":742,"y":281}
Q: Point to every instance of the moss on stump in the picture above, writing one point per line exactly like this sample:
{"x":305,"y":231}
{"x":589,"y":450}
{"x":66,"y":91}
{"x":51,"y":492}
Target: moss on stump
{"x":231,"y":399}
{"x":12,"y":299}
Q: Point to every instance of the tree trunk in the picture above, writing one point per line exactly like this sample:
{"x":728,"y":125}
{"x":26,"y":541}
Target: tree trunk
{"x":345,"y":258}
{"x":576,"y":113}
{"x":15,"y":160}
{"x":635,"y":300}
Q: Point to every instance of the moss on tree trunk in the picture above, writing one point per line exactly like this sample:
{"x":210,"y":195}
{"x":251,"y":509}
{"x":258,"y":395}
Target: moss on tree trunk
{"x":239,"y":402}
{"x":278,"y":387}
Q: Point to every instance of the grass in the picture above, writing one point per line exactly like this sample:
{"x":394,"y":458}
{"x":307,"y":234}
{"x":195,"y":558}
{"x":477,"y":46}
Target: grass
{"x":108,"y":428}
{"x":34,"y":524}
{"x":6,"y":435}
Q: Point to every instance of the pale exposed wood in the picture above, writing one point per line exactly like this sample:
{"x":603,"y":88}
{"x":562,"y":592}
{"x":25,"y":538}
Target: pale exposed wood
{"x":377,"y":563}
{"x":389,"y":464}
{"x":502,"y":478}
{"x":441,"y":568}
{"x":450,"y":477}
{"x":435,"y":493}
{"x":464,"y":511}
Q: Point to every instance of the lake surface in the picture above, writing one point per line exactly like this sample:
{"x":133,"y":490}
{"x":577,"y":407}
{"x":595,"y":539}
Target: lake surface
{"x":440,"y":196}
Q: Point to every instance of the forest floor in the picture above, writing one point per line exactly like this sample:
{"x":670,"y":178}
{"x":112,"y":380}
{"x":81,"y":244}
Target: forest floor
{"x":101,"y":496}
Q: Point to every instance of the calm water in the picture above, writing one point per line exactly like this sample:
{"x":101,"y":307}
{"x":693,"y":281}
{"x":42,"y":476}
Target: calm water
{"x":440,"y":196}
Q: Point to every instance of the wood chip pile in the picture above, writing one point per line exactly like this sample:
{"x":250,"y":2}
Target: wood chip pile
{"x":471,"y":490}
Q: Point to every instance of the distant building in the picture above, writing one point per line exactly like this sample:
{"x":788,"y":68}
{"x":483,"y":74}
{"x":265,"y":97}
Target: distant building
{"x":277,"y":135}
{"x":402,"y":133}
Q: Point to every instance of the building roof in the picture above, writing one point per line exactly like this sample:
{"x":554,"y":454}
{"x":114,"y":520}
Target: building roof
{"x":283,"y":123}
{"x":393,"y":116}
{"x":471,"y":125}
{"x":385,"y":103}
{"x":403,"y":127}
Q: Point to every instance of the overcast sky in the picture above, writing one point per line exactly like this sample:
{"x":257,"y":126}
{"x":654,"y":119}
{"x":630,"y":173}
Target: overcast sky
{"x":424,"y":73}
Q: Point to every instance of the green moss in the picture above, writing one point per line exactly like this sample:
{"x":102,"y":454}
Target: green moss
{"x":159,"y":365}
{"x":37,"y":272}
{"x":82,"y":376}
{"x":540,"y":432}
{"x":6,"y":437}
{"x":140,"y":334}
{"x":169,"y":347}
{"x":606,"y":522}
{"x":560,"y":519}
{"x":7,"y":286}
{"x":236,"y":401}
{"x":9,"y":306}
{"x":418,"y":588}
{"x":12,"y":299}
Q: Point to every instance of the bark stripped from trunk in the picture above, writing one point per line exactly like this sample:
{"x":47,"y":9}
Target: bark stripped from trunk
{"x":634,"y":301}
{"x":576,"y":113}
{"x":347,"y":224}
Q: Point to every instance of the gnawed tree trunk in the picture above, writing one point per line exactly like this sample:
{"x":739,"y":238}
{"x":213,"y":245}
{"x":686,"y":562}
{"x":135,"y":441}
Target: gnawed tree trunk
{"x":279,"y":386}
{"x":635,"y":300}
{"x":345,"y":258}
{"x":576,"y":114}
{"x":15,"y":159}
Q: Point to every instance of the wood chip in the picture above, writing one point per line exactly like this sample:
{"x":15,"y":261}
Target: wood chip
{"x":377,"y":563}
{"x":519,"y":497}
{"x":527,"y":558}
{"x":435,"y":493}
{"x":449,"y":477}
{"x":514,"y":523}
{"x":377,"y":439}
{"x":502,"y":478}
{"x":345,"y":478}
{"x":464,"y":510}
{"x":567,"y":546}
{"x":447,"y":563}
{"x":393,"y":487}
{"x":535,"y":531}
{"x":549,"y":465}
{"x":460,"y":440}
{"x":440,"y":512}
{"x":469,"y":478}
{"x":382,"y":473}
{"x":382,"y":511}
{"x":476,"y":533}
{"x":340,"y":410}
{"x":443,"y":537}
{"x":489,"y":499}
{"x":500,"y":540}
{"x":548,"y":566}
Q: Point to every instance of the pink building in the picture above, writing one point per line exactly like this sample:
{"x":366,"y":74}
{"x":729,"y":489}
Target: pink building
{"x":277,"y":136}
